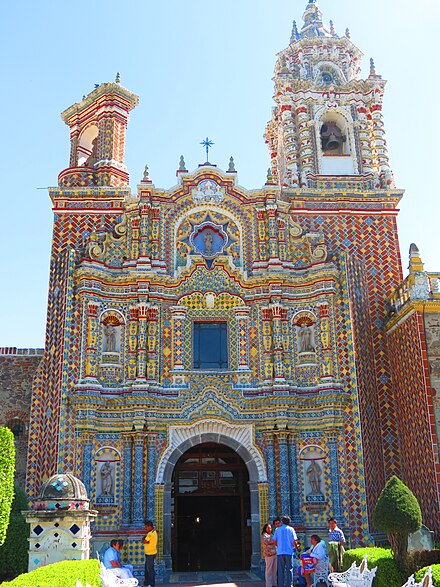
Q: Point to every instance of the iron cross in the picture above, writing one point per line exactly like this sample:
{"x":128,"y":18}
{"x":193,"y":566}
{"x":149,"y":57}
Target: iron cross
{"x":207,"y":143}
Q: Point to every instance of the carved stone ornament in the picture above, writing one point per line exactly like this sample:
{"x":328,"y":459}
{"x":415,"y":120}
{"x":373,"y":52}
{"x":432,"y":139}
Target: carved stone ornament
{"x":208,"y":191}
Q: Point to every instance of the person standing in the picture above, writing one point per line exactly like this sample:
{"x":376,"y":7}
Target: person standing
{"x":336,"y":546}
{"x":285,"y":540}
{"x":269,"y":553}
{"x":150,"y":549}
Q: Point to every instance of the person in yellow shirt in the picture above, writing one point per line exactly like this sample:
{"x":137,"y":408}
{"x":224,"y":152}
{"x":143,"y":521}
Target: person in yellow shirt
{"x":150,"y":548}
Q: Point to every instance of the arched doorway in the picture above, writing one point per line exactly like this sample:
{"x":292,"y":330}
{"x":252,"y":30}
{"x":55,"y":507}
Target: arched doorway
{"x":211,"y":512}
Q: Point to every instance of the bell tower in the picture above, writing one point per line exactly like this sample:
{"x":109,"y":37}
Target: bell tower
{"x":97,"y":137}
{"x":327,"y":120}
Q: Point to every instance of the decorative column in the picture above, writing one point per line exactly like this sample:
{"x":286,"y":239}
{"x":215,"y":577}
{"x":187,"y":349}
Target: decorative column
{"x":283,"y":472}
{"x":290,"y":146}
{"x":132,"y":344}
{"x":332,"y":441}
{"x":304,"y":143}
{"x":87,"y":450}
{"x":285,"y":336}
{"x":152,"y":358}
{"x":271,"y":209}
{"x":138,"y":479}
{"x":324,"y":327}
{"x":178,"y":315}
{"x":127,"y":502}
{"x":242,"y":317}
{"x":295,"y":496}
{"x":267,"y":345}
{"x":262,"y":234}
{"x":151,"y":475}
{"x":379,"y":139}
{"x":365,"y":165}
{"x":91,"y":369}
{"x":142,"y":342}
{"x":144,"y":228}
{"x":277,"y":343}
{"x":271,"y":473}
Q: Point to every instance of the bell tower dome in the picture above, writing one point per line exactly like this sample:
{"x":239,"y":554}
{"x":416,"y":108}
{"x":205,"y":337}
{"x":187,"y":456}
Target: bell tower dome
{"x":97,"y":137}
{"x":327,"y":120}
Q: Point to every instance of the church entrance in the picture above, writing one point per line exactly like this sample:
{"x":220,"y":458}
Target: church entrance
{"x":211,"y":510}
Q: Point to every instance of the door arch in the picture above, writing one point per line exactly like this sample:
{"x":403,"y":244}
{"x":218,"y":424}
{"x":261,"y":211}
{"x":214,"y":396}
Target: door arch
{"x":238,"y":437}
{"x":210,"y":510}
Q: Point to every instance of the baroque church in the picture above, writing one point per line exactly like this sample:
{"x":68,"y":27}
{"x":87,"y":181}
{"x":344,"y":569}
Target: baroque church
{"x":217,"y":356}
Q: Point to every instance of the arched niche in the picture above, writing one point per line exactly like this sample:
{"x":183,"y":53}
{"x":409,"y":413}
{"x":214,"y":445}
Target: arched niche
{"x":107,"y":459}
{"x":88,"y":145}
{"x":312,"y":458}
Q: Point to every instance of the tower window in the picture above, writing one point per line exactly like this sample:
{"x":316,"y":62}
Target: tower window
{"x":210,"y":345}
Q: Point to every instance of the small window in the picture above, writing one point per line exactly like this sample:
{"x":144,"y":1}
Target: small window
{"x":210,"y":345}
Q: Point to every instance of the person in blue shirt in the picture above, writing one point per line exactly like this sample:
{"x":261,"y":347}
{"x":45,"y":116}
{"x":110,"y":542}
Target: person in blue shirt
{"x":112,"y":561}
{"x":285,"y":540}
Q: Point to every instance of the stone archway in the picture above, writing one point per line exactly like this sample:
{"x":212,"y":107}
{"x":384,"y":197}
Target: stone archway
{"x":238,"y":437}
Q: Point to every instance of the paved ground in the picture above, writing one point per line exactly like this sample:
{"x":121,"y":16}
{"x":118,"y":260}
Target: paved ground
{"x":214,"y":579}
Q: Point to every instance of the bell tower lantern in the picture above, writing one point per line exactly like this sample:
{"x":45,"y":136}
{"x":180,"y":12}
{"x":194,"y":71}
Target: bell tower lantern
{"x":327,"y":120}
{"x":97,"y":137}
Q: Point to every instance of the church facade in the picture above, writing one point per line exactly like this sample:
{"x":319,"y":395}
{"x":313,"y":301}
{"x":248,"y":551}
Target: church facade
{"x":217,"y":356}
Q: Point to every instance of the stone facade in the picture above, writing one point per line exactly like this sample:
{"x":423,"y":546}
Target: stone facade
{"x":17,"y":371}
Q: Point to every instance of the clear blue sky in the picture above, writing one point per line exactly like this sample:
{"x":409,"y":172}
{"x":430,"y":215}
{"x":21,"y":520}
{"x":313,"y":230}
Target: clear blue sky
{"x":200,"y":69}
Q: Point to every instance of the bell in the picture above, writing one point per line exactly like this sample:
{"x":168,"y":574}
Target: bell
{"x":332,"y":143}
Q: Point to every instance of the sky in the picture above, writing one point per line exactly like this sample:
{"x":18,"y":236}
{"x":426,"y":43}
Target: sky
{"x":200,"y":69}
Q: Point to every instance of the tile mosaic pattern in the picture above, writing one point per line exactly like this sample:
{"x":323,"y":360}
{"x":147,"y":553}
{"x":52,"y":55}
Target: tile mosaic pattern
{"x":415,"y":414}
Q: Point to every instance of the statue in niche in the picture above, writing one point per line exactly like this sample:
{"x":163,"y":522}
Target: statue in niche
{"x":109,"y":338}
{"x":208,"y":241}
{"x":313,"y":473}
{"x":93,"y":157}
{"x":305,"y":337}
{"x":106,"y":479}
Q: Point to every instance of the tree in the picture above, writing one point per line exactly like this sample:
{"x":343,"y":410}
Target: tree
{"x":397,"y":513}
{"x":14,"y":552}
{"x":7,"y":469}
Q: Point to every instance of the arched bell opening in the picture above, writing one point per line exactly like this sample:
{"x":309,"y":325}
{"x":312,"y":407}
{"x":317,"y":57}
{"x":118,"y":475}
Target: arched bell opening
{"x":335,"y":145}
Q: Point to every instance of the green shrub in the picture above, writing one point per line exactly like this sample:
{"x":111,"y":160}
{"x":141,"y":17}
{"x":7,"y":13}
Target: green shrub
{"x":388,"y":573}
{"x":397,"y":513}
{"x":63,"y":574}
{"x":7,"y":468}
{"x":14,"y":552}
{"x":435,"y":575}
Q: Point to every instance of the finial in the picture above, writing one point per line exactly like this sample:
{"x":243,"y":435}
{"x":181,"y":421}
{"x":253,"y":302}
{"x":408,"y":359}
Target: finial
{"x":269,"y":176}
{"x":415,"y":259}
{"x":231,"y":167}
{"x":118,"y":78}
{"x":97,"y":86}
{"x":182,"y":166}
{"x":372,"y":67}
{"x":332,"y":28}
{"x":146,"y":174}
{"x":347,"y":33}
{"x":294,"y":36}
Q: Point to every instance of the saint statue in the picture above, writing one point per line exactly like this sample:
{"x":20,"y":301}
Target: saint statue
{"x":110,"y":338}
{"x":305,"y":337}
{"x":313,"y":472}
{"x":107,"y":479}
{"x":208,"y":241}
